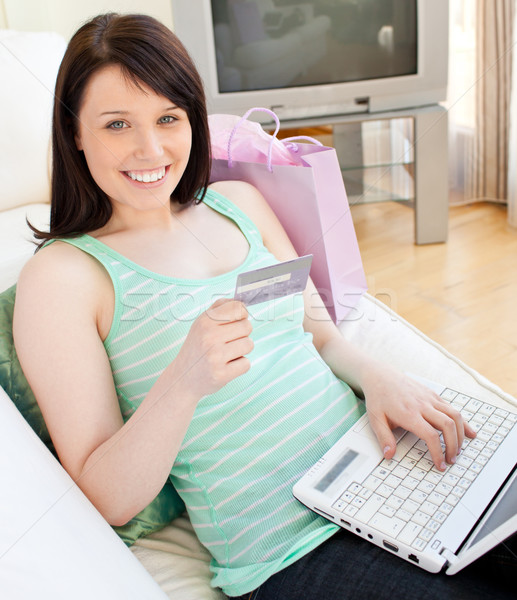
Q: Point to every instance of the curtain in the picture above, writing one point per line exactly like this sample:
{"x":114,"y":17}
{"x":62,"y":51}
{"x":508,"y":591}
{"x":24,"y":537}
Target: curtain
{"x":512,"y":157}
{"x":461,"y":98}
{"x":489,"y":169}
{"x":483,"y":102}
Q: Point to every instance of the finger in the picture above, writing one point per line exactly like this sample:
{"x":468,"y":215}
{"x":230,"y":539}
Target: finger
{"x":226,"y":310}
{"x":458,"y":421}
{"x":384,"y":435}
{"x":237,"y":348}
{"x":449,"y":430}
{"x":469,"y":432}
{"x":234,"y":330}
{"x":238,"y":367}
{"x":431,"y":437}
{"x":219,"y":302}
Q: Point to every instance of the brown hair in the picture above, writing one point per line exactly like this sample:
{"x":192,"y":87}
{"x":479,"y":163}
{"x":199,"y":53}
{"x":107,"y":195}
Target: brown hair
{"x":147,"y":52}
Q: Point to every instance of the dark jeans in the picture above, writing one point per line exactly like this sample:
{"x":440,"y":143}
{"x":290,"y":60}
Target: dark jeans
{"x":346,"y":567}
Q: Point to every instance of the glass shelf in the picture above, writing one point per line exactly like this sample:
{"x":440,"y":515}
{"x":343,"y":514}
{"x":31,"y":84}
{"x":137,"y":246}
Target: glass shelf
{"x":377,"y":160}
{"x":376,"y":157}
{"x":383,"y":183}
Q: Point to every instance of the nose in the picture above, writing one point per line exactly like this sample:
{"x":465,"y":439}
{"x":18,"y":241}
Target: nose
{"x":149,"y":144}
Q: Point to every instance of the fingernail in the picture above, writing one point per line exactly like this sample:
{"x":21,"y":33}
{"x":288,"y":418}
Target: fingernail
{"x":386,"y":450}
{"x":443,"y":466}
{"x":453,"y":460}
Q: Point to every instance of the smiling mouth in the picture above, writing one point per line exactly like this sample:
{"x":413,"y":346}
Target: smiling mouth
{"x":147,"y":176}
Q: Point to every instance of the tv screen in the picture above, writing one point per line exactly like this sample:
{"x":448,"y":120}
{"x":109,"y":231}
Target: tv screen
{"x":270,"y":44}
{"x":317,"y":59}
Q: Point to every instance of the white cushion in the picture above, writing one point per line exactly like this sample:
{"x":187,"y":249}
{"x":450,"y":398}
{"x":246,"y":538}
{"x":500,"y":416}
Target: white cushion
{"x":178,"y":562}
{"x":28,"y":67}
{"x":54,"y":544}
{"x":16,"y":239}
{"x":385,"y":335}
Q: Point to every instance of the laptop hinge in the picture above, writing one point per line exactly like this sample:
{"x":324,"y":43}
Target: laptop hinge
{"x":449,"y":556}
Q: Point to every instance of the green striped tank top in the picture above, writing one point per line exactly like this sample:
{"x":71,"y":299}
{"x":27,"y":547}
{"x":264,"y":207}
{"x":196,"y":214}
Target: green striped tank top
{"x":248,"y":443}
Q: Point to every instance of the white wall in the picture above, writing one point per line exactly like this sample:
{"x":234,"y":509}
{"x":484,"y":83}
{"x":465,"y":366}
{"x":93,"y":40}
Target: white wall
{"x":3,"y":21}
{"x":65,"y":16}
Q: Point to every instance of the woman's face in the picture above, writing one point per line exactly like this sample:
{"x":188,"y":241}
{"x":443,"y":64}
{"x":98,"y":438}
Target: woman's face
{"x":136,"y":143}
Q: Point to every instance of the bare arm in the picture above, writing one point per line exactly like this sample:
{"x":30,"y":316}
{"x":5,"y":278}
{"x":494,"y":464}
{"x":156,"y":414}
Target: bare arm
{"x":392,"y":399}
{"x":120,"y":467}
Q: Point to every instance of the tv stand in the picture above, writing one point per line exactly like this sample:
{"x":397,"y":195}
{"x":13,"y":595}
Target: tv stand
{"x":430,"y":143}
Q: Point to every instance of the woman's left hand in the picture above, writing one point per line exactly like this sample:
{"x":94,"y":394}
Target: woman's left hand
{"x":394,"y":400}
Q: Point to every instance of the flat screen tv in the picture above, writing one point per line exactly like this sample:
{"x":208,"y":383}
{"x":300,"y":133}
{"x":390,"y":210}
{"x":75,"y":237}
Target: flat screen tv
{"x":315,"y":59}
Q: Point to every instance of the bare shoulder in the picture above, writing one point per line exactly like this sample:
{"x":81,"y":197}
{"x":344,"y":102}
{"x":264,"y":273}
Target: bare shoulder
{"x":248,"y":198}
{"x":255,"y":206}
{"x":59,"y":265}
{"x":61,"y":279}
{"x":239,"y":192}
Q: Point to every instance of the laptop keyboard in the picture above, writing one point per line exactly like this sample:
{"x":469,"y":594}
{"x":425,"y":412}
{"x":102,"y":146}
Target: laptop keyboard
{"x":407,"y":497}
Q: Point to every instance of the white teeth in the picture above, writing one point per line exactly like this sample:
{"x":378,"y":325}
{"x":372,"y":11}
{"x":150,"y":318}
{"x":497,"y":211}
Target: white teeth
{"x":147,"y":177}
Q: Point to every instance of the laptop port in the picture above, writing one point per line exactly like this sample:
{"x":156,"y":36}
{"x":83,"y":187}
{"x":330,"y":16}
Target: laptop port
{"x":390,"y":546}
{"x":346,"y":523}
{"x":321,"y":512}
{"x":413,"y":558}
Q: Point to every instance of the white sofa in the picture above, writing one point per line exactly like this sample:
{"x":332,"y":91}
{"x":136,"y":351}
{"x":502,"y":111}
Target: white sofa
{"x":53,"y":543}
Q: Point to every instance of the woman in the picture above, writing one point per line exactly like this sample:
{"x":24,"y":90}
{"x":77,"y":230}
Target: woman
{"x":143,"y":365}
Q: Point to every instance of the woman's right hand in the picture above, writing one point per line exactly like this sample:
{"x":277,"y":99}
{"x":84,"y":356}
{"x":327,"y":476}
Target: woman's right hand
{"x":214,"y":350}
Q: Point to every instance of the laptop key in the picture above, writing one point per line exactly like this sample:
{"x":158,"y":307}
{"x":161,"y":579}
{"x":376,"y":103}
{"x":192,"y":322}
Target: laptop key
{"x":402,"y":492}
{"x":350,"y":510}
{"x":436,"y":498}
{"x":369,"y":508}
{"x":411,"y":482}
{"x":487,"y":409}
{"x":409,"y":533}
{"x":419,"y":544}
{"x":387,"y":510}
{"x":433,"y":525}
{"x":410,"y":506}
{"x":449,"y":394}
{"x":390,"y":526}
{"x":372,"y":482}
{"x":394,"y":501}
{"x":381,"y":473}
{"x":428,"y":508}
{"x":394,"y":481}
{"x":404,"y":515}
{"x":420,"y":517}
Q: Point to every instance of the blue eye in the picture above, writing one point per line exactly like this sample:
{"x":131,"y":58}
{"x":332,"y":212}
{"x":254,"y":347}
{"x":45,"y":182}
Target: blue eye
{"x":167,"y":119}
{"x":117,"y":125}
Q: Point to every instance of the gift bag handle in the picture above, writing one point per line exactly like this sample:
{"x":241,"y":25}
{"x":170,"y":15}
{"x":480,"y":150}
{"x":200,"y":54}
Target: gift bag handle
{"x":287,"y":141}
{"x":294,"y":147}
{"x":239,"y":123}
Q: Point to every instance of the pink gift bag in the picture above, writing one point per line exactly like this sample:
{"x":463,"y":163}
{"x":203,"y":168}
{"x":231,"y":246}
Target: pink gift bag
{"x":303,"y":185}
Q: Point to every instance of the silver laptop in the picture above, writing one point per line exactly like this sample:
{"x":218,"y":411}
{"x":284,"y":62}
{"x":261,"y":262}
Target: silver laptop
{"x":437,"y":521}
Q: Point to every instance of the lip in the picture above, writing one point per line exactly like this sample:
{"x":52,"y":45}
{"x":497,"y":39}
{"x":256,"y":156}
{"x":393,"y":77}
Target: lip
{"x":143,"y":184}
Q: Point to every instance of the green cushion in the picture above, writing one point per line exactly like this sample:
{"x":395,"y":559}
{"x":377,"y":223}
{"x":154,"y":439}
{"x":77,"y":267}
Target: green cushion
{"x":12,"y":378}
{"x":162,"y":510}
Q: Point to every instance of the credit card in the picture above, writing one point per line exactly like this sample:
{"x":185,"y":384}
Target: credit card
{"x":275,"y":281}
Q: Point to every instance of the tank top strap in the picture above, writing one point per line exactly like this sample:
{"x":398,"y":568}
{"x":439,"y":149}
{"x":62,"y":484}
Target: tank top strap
{"x":225,"y":207}
{"x":99,"y":251}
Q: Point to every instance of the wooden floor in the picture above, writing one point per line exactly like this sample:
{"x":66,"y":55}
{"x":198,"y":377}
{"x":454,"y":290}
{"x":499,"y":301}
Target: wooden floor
{"x":463,"y":294}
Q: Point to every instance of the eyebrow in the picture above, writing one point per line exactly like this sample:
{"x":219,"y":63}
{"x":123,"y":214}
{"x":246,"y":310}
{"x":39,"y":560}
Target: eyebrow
{"x":126,"y":112}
